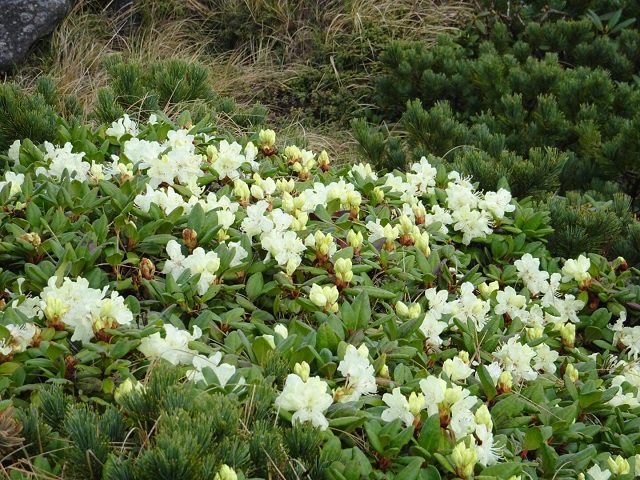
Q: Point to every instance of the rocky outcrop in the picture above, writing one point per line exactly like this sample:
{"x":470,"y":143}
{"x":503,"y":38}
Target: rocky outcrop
{"x":22,"y":22}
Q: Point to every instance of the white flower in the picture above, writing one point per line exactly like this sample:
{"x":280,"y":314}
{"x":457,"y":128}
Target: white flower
{"x":461,"y":193}
{"x":487,"y":453}
{"x":577,"y":270}
{"x":204,"y":263}
{"x":175,"y":264}
{"x":223,"y":371}
{"x":456,"y":369}
{"x":510,"y":302}
{"x":21,"y":336}
{"x":142,"y":152}
{"x":173,"y":348}
{"x":469,"y":307}
{"x":123,"y":126}
{"x":364,"y":170}
{"x":596,"y":473}
{"x":256,"y":222}
{"x":61,"y":159}
{"x":358,"y":371}
{"x":285,"y":247}
{"x":516,"y":359}
{"x":545,"y":358}
{"x":422,"y":176}
{"x":497,"y":203}
{"x":229,"y":160}
{"x":14,"y":152}
{"x":398,"y":408}
{"x":434,"y":389}
{"x":308,"y":400}
{"x":529,"y":271}
{"x":472,"y":223}
{"x":15,"y":180}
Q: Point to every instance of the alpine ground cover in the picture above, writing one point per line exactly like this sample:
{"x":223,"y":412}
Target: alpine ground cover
{"x":183,"y":304}
{"x":197,"y":296}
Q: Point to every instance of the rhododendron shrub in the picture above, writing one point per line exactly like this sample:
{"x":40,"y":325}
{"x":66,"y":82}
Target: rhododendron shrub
{"x":409,"y":325}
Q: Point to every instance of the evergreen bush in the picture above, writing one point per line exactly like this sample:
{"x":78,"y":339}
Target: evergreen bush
{"x":551,"y":107}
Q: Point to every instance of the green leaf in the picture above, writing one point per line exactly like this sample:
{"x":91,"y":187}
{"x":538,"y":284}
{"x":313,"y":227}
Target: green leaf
{"x":430,"y":434}
{"x":487,"y":382}
{"x":411,"y":471}
{"x":502,"y":470}
{"x":374,"y":292}
{"x":533,"y":438}
{"x":362,"y":310}
{"x":254,"y":286}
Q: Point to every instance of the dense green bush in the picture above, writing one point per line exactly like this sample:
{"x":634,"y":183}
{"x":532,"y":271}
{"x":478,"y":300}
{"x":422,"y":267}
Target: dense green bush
{"x":551,"y":108}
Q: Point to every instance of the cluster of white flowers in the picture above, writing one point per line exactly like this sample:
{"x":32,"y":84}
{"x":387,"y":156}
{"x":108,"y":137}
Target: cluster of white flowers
{"x":359,"y":374}
{"x":307,"y":397}
{"x":206,"y":264}
{"x":455,"y":407}
{"x":88,"y":310}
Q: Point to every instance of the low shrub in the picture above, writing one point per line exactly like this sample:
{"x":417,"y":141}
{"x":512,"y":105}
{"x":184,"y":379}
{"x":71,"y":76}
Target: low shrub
{"x":180,"y":303}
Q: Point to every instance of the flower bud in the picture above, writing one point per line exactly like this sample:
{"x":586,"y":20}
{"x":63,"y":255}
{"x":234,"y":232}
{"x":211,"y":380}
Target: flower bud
{"x":464,"y":356}
{"x":270,"y":340}
{"x":406,"y":225}
{"x":419,"y":213}
{"x":402,"y":309}
{"x":422,"y":243}
{"x":32,"y":238}
{"x":377,"y":194}
{"x":241,"y":190}
{"x":281,"y":330}
{"x":505,"y":382}
{"x":464,"y":459}
{"x":534,"y":333}
{"x":572,"y":373}
{"x":299,"y":223}
{"x":190,"y":238}
{"x":568,"y":335}
{"x":355,"y":240}
{"x":323,"y":161}
{"x":414,"y":311}
{"x":293,"y":154}
{"x":384,"y":371}
{"x":285,"y":185}
{"x":212,"y":153}
{"x":292,"y":265}
{"x":302,"y":370}
{"x":317,"y":296}
{"x":147,"y":268}
{"x":267,"y":138}
{"x":344,"y":272}
{"x":257,"y":192}
{"x":125,"y":388}
{"x":618,"y":466}
{"x":487,"y":290}
{"x":54,"y":311}
{"x":226,"y":473}
{"x":484,"y":417}
{"x":416,"y":403}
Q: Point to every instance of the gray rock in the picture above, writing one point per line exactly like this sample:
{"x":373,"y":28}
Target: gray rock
{"x":22,"y":22}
